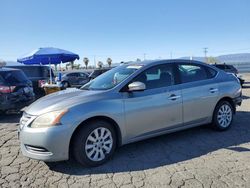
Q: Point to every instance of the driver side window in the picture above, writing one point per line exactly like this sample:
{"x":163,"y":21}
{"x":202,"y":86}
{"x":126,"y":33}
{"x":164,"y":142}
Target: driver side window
{"x":157,"y":76}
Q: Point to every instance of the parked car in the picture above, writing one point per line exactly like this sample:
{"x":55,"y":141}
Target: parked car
{"x":129,"y":103}
{"x":97,"y":72}
{"x":230,"y":69}
{"x":15,"y":90}
{"x":38,"y":74}
{"x":74,"y":79}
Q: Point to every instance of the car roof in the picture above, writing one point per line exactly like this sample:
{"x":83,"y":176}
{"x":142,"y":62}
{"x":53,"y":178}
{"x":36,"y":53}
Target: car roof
{"x":3,"y":69}
{"x":153,"y":62}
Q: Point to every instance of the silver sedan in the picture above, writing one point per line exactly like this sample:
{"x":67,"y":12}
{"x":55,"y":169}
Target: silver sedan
{"x":131,"y":102}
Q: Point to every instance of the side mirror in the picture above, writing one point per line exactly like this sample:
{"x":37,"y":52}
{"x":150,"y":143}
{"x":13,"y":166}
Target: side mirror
{"x":136,"y":86}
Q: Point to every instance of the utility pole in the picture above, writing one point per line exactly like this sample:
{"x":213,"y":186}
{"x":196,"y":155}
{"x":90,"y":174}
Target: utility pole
{"x":171,"y":55}
{"x":144,"y":56}
{"x":94,"y":61}
{"x":205,"y":53}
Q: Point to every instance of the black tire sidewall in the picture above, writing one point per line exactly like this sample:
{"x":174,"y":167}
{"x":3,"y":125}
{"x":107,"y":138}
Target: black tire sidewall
{"x":216,"y":124}
{"x":65,"y":83}
{"x":80,"y":140}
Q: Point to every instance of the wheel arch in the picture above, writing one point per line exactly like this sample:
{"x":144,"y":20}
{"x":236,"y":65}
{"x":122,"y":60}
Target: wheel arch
{"x":228,"y":99}
{"x":96,"y":118}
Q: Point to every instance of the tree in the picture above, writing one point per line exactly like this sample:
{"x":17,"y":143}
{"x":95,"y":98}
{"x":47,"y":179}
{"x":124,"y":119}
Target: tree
{"x":212,"y":60}
{"x":2,"y":63}
{"x":139,"y":60}
{"x":86,"y":62}
{"x":100,"y":64}
{"x":109,"y":61}
{"x":72,"y":65}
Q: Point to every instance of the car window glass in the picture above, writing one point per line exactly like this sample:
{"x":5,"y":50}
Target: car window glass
{"x":73,"y":74}
{"x":211,"y":72}
{"x":157,"y":76}
{"x":82,"y":75}
{"x":1,"y":79}
{"x":14,"y":77}
{"x":190,"y":73}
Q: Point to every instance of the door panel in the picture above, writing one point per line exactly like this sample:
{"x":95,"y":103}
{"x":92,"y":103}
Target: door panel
{"x":199,"y":92}
{"x":158,"y":107}
{"x":199,"y":100}
{"x":152,"y":110}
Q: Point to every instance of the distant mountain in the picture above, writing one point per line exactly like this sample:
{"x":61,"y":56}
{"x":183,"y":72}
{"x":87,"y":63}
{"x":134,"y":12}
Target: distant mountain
{"x":229,"y":58}
{"x":9,"y":63}
{"x":235,"y":58}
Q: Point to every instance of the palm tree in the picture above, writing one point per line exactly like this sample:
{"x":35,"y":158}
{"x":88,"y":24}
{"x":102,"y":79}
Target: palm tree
{"x":86,"y":62}
{"x":100,"y":64}
{"x":109,"y":61}
{"x":72,"y":65}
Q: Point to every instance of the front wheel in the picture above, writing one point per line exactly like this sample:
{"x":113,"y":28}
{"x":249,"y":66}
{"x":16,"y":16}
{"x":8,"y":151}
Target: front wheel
{"x":223,"y":115}
{"x":65,"y":84}
{"x":94,"y":144}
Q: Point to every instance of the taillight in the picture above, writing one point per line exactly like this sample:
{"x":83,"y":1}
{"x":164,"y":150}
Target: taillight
{"x":7,"y":89}
{"x":41,"y":83}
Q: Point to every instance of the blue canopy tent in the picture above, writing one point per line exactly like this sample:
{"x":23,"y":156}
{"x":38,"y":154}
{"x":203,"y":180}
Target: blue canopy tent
{"x":48,"y":56}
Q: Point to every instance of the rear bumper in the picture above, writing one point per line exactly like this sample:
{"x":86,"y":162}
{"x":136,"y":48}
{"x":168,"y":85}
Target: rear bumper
{"x":8,"y":103}
{"x":237,"y":101}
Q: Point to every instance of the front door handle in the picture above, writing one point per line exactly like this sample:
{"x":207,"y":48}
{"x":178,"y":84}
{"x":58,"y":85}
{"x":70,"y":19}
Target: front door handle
{"x":213,"y":90}
{"x":173,"y":97}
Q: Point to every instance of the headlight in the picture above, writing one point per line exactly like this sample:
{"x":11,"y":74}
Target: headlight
{"x":48,"y":119}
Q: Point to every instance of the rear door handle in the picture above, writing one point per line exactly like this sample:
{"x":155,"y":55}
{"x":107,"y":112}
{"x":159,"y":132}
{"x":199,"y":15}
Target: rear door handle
{"x":213,"y":90}
{"x":173,"y":97}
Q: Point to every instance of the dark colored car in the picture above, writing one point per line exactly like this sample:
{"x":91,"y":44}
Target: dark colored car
{"x":97,"y":72}
{"x":38,"y":74}
{"x":74,"y":79}
{"x":230,"y":69}
{"x":16,"y":90}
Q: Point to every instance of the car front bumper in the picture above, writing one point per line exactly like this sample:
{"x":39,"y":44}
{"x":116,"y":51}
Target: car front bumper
{"x":46,"y":144}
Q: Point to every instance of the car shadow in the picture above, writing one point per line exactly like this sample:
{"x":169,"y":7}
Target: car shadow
{"x":168,"y":149}
{"x":10,"y":118}
{"x":244,"y":97}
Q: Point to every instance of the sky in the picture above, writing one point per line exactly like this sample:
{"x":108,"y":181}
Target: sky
{"x":125,"y":30}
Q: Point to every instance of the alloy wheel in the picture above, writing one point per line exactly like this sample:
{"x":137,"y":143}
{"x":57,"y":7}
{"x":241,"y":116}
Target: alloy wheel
{"x":98,"y":144}
{"x":224,"y":115}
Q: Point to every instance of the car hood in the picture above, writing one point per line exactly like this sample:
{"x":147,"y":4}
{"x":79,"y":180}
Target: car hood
{"x":61,"y":100}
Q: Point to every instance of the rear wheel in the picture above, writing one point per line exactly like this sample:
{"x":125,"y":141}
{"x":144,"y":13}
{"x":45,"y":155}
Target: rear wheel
{"x":94,"y":144}
{"x":223,"y":115}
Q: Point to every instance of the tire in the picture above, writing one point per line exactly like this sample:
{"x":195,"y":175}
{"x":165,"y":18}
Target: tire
{"x":65,"y":84}
{"x":86,"y":148}
{"x":223,"y":116}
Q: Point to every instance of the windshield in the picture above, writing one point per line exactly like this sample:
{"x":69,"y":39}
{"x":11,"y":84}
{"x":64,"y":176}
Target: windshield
{"x":111,"y":78}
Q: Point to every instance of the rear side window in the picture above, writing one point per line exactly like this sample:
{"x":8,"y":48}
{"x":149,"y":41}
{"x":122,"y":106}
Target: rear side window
{"x":73,"y":74}
{"x":191,"y":73}
{"x":211,"y":72}
{"x":14,"y":77}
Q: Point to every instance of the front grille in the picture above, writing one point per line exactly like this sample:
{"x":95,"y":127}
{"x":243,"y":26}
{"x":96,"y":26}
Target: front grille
{"x":26,"y":120}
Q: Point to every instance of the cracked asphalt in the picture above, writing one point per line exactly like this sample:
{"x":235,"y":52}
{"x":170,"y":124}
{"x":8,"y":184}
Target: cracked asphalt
{"x":198,"y":157}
